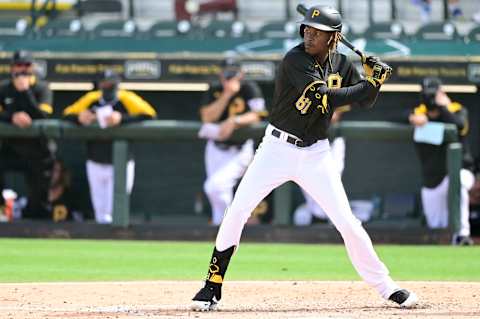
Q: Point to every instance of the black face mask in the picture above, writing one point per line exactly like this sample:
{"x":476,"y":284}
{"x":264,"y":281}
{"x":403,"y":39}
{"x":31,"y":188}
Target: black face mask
{"x":430,"y":87}
{"x":110,"y":94}
{"x":429,"y":100}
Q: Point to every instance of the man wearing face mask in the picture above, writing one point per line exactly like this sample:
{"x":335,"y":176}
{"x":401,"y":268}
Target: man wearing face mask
{"x":108,"y":106}
{"x":313,"y":80}
{"x":436,"y":106}
{"x":24,"y":99}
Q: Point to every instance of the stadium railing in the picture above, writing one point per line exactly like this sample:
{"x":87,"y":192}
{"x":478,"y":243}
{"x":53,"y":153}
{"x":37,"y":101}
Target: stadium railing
{"x":168,"y":130}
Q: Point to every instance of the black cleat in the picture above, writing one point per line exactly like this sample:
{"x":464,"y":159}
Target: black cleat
{"x":462,"y":241}
{"x":207,"y":298}
{"x":404,"y":298}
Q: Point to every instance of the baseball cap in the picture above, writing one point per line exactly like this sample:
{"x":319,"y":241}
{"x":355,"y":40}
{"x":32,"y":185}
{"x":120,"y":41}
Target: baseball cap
{"x":109,"y":76}
{"x":22,"y":57}
{"x":430,"y":85}
{"x":231,"y":67}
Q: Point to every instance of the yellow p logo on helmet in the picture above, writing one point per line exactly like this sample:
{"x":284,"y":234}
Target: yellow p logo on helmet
{"x":315,"y":13}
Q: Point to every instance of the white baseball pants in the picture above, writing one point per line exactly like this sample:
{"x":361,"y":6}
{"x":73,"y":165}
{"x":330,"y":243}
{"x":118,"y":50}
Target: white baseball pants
{"x":101,"y":179}
{"x":313,"y":169}
{"x":224,"y":169}
{"x":435,"y":203}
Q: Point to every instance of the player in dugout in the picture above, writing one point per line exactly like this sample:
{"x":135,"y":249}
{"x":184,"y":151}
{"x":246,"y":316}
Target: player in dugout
{"x":231,"y":104}
{"x":24,"y":99}
{"x":436,"y":106}
{"x":108,"y":106}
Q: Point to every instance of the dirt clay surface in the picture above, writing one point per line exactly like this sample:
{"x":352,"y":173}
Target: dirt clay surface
{"x":161,"y":299}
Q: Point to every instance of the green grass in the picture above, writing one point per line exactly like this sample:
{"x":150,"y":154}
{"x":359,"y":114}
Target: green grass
{"x":25,"y":260}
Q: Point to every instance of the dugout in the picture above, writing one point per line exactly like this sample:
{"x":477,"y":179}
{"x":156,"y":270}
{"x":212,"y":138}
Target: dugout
{"x":173,"y":84}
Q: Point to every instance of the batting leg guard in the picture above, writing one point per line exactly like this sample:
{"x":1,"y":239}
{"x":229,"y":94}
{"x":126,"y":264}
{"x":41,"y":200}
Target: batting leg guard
{"x":208,"y":297}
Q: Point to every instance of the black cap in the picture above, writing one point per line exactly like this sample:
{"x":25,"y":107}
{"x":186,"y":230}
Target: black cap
{"x":323,"y":18}
{"x":231,"y":67}
{"x":110,"y":76}
{"x":430,"y":85}
{"x":231,"y":62}
{"x":22,"y":57}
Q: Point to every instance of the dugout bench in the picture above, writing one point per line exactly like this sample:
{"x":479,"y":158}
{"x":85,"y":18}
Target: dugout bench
{"x":168,"y":130}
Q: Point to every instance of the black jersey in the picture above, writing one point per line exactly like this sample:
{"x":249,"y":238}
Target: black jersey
{"x":433,"y":158}
{"x":299,"y":108}
{"x":36,"y":101}
{"x":244,"y":101}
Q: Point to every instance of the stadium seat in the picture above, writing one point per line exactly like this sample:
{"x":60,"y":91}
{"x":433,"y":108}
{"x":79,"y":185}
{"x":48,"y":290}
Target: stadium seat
{"x":385,"y":30}
{"x":225,"y":29}
{"x":99,"y":6}
{"x":474,"y":34}
{"x":438,"y":31}
{"x":168,"y":29}
{"x":115,"y":29}
{"x":13,"y":29}
{"x":63,"y":28}
{"x":279,"y":30}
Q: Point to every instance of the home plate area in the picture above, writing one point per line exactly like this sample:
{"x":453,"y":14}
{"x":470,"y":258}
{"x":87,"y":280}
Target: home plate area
{"x":241,"y":299}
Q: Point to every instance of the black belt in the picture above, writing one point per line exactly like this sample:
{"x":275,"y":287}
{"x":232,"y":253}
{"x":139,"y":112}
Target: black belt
{"x":292,"y":140}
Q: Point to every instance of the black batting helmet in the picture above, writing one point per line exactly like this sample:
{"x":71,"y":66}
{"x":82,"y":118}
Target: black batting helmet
{"x":323,"y":18}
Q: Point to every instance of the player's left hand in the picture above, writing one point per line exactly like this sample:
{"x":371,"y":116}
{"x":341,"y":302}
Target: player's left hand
{"x":114,"y":119}
{"x":418,"y":119}
{"x":441,"y":98}
{"x":226,"y":129}
{"x":376,"y":71}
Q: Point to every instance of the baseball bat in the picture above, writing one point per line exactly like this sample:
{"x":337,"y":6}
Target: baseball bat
{"x":303,"y":10}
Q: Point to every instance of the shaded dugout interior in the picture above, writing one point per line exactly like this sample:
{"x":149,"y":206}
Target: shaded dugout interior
{"x":169,"y":176}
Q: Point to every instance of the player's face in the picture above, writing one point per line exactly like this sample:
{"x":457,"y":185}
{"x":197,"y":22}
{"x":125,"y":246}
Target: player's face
{"x":22,"y":76}
{"x":316,"y":41}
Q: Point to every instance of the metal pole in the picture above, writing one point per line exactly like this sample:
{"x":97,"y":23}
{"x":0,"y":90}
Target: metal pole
{"x":121,"y":198}
{"x":370,"y":12}
{"x":131,"y":9}
{"x":288,"y":16}
{"x":454,"y":165}
{"x":394,"y":10}
{"x":79,"y":8}
{"x":340,"y":7}
{"x":446,"y":13}
{"x":33,"y":14}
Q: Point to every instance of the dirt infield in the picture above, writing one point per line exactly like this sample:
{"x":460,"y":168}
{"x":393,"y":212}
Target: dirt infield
{"x":161,"y":299}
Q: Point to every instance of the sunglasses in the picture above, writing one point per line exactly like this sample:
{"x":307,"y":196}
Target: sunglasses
{"x":24,"y":64}
{"x":24,"y":73}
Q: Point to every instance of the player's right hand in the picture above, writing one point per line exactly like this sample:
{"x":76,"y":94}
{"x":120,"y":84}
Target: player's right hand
{"x":87,"y":117}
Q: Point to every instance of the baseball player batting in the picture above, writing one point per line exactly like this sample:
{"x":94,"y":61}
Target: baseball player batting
{"x":313,"y":80}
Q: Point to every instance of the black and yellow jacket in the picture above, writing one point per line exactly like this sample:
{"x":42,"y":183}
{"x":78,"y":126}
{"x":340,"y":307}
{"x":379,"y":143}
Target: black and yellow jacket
{"x":132,"y":107}
{"x":433,"y":158}
{"x":36,"y":101}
